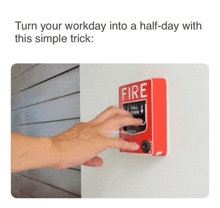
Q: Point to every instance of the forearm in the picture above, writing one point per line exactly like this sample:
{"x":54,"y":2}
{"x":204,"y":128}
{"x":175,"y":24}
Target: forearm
{"x":78,"y":145}
{"x":32,"y":153}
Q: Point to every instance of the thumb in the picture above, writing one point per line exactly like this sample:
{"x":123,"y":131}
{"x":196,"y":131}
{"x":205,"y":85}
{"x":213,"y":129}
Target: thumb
{"x":94,"y":162}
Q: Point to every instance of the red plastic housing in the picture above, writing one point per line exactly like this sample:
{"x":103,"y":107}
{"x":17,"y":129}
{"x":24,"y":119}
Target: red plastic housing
{"x":146,"y":100}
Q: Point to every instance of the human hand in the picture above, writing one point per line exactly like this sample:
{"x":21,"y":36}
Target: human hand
{"x":83,"y":142}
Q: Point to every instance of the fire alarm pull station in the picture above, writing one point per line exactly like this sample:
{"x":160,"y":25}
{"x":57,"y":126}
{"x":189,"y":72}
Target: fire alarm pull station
{"x":146,"y":100}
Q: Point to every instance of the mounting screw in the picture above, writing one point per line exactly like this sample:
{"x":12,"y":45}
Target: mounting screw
{"x":146,"y":146}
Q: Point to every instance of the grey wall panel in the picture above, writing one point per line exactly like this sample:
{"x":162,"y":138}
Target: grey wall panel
{"x":25,"y":67}
{"x":62,"y":85}
{"x":18,"y":194}
{"x":77,"y":167}
{"x":23,"y":195}
{"x":16,"y":129}
{"x":68,"y":180}
{"x":15,"y":85}
{"x":16,"y":181}
{"x":15,"y":101}
{"x":62,"y":108}
{"x":40,"y":190}
{"x":48,"y":129}
{"x":15,"y":71}
{"x":42,"y":72}
{"x":15,"y":117}
{"x":48,"y":105}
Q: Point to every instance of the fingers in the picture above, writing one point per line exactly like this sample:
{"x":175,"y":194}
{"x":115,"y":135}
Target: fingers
{"x":122,"y":144}
{"x":111,"y":112}
{"x":94,"y":162}
{"x":116,"y":123}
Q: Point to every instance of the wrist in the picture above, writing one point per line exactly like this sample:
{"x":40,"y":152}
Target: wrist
{"x":50,"y":152}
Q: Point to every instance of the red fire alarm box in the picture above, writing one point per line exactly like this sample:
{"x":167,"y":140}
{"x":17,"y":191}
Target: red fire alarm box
{"x":146,"y":100}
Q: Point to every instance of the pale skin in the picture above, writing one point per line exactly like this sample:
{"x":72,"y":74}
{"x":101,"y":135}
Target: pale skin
{"x":79,"y":145}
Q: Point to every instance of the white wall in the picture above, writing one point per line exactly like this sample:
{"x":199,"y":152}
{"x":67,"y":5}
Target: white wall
{"x":184,"y":172}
